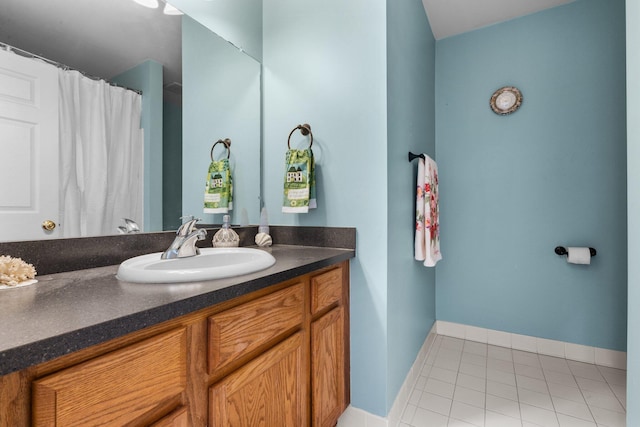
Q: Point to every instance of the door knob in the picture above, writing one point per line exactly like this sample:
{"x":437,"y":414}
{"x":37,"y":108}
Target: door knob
{"x":48,"y":225}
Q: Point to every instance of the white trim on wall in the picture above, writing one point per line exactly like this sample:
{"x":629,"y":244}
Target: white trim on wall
{"x":580,"y":353}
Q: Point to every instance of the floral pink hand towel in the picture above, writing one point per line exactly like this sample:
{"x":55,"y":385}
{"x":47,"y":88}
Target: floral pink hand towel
{"x":427,"y":240}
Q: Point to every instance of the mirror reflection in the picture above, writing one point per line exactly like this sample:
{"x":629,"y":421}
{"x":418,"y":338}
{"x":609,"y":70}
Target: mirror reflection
{"x":237,"y":21}
{"x":138,"y":48}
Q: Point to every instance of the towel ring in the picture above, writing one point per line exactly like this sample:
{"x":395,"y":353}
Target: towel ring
{"x":226,"y":142}
{"x":305,"y":129}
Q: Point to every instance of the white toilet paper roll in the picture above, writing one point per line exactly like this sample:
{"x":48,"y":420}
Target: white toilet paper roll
{"x":578,"y":256}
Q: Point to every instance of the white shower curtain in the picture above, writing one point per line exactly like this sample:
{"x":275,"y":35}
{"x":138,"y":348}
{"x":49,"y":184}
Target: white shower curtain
{"x":101,"y":156}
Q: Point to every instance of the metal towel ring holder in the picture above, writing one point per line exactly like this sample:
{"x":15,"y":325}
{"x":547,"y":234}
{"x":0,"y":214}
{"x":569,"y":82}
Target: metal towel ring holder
{"x":227,"y":144}
{"x":305,"y":129}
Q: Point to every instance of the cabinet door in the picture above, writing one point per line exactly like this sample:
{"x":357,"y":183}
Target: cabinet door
{"x":117,"y":388}
{"x":269,"y":391}
{"x":328,"y":368}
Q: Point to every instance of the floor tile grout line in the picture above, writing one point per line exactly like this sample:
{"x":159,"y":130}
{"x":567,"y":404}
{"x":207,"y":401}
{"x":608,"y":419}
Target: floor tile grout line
{"x":456,"y":383}
{"x":517,"y":388}
{"x":585,"y":399}
{"x":553,"y":405}
{"x":589,"y":406}
{"x":623,"y":404}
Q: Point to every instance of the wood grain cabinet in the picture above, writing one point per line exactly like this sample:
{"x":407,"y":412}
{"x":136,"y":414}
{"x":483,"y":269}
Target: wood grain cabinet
{"x":236,"y":332}
{"x":268,"y":391}
{"x":275,"y":357}
{"x":329,"y":330}
{"x":328,"y":368}
{"x":115,"y":389}
{"x":178,"y":418}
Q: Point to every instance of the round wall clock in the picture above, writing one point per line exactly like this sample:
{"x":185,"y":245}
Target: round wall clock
{"x":505,"y":100}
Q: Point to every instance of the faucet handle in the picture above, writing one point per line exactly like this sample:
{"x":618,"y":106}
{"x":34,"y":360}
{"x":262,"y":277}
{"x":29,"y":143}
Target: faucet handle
{"x":187,"y":217}
{"x":188,"y":226}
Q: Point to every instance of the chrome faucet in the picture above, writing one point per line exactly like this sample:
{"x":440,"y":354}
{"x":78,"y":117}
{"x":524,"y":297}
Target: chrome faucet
{"x":184,"y":245}
{"x":130,"y":226}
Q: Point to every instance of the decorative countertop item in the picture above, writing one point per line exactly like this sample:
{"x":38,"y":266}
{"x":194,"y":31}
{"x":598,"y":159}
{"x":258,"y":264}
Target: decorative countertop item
{"x":226,"y":237}
{"x":15,"y":272}
{"x":506,"y":100}
{"x":263,"y":238}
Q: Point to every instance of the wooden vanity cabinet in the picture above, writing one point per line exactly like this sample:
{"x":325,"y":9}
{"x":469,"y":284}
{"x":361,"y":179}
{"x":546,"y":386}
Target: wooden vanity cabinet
{"x":268,"y":391}
{"x":117,"y":388}
{"x":274,"y":388}
{"x":276,"y":357}
{"x":329,"y":343}
{"x":235,"y":333}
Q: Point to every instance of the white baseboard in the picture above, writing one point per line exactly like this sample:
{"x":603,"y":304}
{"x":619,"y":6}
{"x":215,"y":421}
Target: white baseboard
{"x":580,"y":353}
{"x":354,"y":417}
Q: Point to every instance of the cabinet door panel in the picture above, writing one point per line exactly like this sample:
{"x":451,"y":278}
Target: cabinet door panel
{"x":237,"y":331}
{"x":116,"y":388}
{"x":328,"y":368}
{"x":326,"y":289}
{"x":269,"y":391}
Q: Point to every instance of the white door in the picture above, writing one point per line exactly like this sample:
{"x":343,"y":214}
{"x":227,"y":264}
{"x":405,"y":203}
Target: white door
{"x":28,"y":148}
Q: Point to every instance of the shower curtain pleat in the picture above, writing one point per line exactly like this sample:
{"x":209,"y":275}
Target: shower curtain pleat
{"x":100,"y":154}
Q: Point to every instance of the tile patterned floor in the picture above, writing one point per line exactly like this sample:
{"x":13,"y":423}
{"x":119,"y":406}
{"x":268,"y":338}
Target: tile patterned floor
{"x":470,"y":384}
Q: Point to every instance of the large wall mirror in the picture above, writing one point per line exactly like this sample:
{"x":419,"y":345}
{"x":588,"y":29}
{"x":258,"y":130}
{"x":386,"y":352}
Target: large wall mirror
{"x":197,"y":86}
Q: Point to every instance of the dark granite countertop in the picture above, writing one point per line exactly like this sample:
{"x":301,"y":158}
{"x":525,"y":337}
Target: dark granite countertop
{"x":69,"y":311}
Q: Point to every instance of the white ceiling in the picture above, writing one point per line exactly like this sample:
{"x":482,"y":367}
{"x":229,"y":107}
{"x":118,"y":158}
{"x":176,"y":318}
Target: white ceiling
{"x":100,"y":37}
{"x":107,"y":37}
{"x":450,"y":17}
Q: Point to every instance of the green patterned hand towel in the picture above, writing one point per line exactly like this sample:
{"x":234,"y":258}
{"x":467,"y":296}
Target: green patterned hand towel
{"x":299,"y":182}
{"x":218,"y":192}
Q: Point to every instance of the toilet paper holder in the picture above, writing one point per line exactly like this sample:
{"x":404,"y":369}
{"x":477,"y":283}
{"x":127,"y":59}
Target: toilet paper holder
{"x":561,"y":250}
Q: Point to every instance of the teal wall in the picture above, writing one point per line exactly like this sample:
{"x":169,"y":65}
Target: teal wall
{"x":633,"y":197}
{"x":172,"y":166}
{"x":324,"y":63}
{"x":411,"y":127}
{"x":512,"y":188}
{"x":221,"y":99}
{"x":147,"y":77}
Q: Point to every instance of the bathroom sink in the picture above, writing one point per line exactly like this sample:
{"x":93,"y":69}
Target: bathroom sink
{"x":212,"y":263}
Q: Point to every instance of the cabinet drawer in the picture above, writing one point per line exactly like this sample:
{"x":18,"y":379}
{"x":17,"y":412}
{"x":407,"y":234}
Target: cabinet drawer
{"x":235,"y":332}
{"x":116,"y":388}
{"x":326,"y":289}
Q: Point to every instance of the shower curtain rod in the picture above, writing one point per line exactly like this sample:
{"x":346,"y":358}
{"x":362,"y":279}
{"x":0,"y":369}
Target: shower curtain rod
{"x":27,"y":54}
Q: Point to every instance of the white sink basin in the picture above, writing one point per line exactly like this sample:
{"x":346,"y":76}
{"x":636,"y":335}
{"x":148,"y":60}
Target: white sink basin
{"x":212,"y":263}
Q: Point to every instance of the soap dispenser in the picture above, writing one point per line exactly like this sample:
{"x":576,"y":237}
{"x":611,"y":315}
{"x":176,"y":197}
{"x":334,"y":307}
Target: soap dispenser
{"x":226,"y":237}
